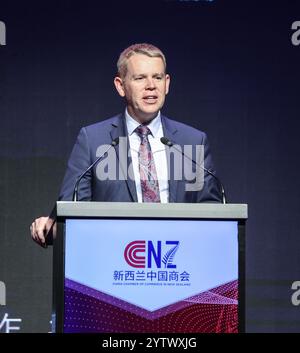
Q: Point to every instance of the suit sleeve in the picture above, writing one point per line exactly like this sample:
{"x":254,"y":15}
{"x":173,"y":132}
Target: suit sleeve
{"x":79,"y":161}
{"x":211,"y":190}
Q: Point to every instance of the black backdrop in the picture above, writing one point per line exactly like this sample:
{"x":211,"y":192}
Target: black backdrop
{"x":235,"y":74}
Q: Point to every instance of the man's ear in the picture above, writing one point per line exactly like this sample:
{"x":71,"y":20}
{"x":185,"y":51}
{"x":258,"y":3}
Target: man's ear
{"x":119,"y":86}
{"x":167,"y":83}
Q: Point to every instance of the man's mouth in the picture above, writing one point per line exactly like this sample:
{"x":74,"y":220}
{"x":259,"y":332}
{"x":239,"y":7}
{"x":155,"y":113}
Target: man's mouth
{"x":150,"y":99}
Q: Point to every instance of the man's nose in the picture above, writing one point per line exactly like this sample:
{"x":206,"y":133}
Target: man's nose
{"x":150,"y":83}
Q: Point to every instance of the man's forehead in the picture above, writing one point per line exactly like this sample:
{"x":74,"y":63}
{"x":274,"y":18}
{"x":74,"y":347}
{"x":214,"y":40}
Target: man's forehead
{"x":140,"y":63}
{"x":142,"y":60}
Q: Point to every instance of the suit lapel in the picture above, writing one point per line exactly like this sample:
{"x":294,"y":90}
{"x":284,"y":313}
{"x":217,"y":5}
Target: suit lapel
{"x":170,"y":132}
{"x":119,"y":129}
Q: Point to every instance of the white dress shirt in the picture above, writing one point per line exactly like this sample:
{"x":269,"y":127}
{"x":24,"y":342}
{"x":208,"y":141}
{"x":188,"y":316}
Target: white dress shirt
{"x":158,"y":151}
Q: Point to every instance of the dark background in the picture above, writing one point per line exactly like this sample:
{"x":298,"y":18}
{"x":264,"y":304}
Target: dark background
{"x":235,"y":74}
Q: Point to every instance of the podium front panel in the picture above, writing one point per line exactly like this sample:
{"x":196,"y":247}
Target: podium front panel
{"x":151,"y":275}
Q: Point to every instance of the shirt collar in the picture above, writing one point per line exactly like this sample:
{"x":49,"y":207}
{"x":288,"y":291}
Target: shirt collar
{"x":132,"y":124}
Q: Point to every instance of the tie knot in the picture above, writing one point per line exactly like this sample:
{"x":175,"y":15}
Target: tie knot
{"x":143,"y":131}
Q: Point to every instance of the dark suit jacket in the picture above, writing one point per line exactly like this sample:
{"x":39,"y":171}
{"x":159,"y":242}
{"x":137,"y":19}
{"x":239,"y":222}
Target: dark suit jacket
{"x":93,"y":189}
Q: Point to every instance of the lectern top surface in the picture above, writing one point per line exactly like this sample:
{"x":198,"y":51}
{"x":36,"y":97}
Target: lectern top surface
{"x":152,"y":210}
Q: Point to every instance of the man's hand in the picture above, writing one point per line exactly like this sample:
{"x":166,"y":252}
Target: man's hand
{"x":39,"y":230}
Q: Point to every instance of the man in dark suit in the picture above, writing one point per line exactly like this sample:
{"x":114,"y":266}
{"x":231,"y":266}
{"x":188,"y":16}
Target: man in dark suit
{"x":138,"y":168}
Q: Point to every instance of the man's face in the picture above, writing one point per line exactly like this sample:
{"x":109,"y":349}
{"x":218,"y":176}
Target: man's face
{"x":144,"y":86}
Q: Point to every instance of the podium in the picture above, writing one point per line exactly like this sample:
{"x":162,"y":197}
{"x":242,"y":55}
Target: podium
{"x":157,"y":268}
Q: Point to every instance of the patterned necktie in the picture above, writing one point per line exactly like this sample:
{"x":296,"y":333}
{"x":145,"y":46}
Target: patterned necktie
{"x":149,"y":182}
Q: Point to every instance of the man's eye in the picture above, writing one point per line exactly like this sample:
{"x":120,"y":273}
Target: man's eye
{"x":138,"y":78}
{"x":159,"y":78}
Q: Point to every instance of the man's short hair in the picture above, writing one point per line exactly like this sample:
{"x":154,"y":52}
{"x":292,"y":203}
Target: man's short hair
{"x":141,"y":48}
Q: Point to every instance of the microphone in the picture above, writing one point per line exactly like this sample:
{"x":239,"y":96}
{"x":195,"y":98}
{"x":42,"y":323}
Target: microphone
{"x":114,"y":143}
{"x":169,"y":143}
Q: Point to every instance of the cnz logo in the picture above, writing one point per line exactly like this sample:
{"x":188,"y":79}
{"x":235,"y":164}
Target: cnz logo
{"x":142,"y":253}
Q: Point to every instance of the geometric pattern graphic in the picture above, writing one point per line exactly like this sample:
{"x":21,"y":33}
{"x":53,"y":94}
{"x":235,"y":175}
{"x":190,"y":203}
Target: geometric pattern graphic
{"x":89,"y":310}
